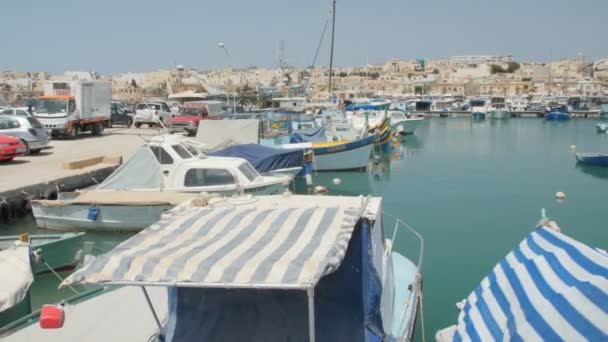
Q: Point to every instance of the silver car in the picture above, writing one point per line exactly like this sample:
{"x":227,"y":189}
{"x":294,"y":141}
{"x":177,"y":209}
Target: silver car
{"x":26,"y":128}
{"x":22,"y":111}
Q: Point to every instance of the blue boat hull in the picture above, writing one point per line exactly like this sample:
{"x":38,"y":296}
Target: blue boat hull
{"x":596,"y":159}
{"x":478,"y":116}
{"x":557,"y":116}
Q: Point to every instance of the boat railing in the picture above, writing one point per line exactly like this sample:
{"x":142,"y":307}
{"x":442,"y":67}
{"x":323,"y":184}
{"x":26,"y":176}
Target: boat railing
{"x":406,"y":327}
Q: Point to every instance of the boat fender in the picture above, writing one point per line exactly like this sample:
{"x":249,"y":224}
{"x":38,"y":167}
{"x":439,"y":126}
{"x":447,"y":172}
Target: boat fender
{"x":308,"y":178}
{"x":321,"y":189}
{"x":93,"y":213}
{"x":51,"y":316}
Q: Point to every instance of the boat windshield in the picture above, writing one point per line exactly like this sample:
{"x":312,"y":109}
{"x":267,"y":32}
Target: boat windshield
{"x":397,"y":116}
{"x":477,"y":103}
{"x":249,"y":171}
{"x":51,"y":106}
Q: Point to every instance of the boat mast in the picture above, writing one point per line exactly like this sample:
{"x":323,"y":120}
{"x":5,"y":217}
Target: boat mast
{"x":333,"y":32}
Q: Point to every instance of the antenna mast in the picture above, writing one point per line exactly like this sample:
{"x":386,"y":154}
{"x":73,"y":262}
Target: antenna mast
{"x":333,"y":32}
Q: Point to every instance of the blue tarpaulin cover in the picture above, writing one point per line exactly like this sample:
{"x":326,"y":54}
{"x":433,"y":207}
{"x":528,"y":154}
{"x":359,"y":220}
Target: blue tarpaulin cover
{"x":316,"y":134}
{"x":264,"y":159}
{"x":366,"y":106}
{"x":549,"y":288}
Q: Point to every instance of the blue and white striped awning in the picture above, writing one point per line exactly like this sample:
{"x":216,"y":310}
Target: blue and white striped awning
{"x":266,"y":242}
{"x":550,"y":288}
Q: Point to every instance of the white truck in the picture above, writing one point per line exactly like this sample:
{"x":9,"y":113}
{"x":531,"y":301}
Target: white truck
{"x":68,"y":108}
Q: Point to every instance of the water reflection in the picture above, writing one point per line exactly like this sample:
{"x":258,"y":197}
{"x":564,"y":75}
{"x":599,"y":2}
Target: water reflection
{"x":410,"y":142}
{"x":594,"y":171}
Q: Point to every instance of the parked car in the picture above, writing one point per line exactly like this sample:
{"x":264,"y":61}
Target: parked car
{"x":151,"y":113}
{"x":189,"y":116}
{"x":10,"y":148}
{"x":26,"y":128}
{"x":124,"y":106}
{"x":23,"y":111}
{"x":120,"y":117}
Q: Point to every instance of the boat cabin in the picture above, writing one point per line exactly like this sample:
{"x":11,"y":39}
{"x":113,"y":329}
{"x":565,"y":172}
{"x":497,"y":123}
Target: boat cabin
{"x":271,"y":268}
{"x":176,"y":163}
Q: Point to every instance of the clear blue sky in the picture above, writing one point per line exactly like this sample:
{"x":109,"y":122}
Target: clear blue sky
{"x":113,"y":36}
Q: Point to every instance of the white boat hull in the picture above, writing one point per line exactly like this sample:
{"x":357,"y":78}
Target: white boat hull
{"x":407,"y":126}
{"x":292,"y":171}
{"x":122,"y":216}
{"x":117,"y":218}
{"x":355,"y":159}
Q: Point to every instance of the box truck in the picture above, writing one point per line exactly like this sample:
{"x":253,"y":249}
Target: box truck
{"x":68,"y":108}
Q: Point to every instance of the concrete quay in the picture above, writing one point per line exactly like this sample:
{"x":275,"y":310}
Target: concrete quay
{"x":67,"y":166}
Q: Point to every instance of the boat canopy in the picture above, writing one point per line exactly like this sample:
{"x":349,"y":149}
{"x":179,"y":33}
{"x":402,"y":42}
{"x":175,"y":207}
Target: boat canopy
{"x":217,"y":134}
{"x":316,"y":134}
{"x":550,"y":288}
{"x":262,"y":158}
{"x":15,"y":264}
{"x":142,"y":171}
{"x":286,"y":242}
{"x":247,"y":269}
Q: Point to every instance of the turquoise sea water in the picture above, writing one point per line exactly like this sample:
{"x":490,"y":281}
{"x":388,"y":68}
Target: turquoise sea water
{"x":472,"y":189}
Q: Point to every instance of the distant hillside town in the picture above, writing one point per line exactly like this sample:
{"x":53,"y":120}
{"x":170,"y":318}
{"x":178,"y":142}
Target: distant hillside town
{"x":456,"y":76}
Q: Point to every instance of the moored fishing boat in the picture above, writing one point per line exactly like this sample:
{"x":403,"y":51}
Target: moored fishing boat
{"x":598,"y":159}
{"x":159,"y":176}
{"x":479,"y":108}
{"x":478,"y":116}
{"x":336,"y":146}
{"x":604,"y":111}
{"x":61,"y":252}
{"x":500,"y":114}
{"x":498,"y":108}
{"x":118,"y":210}
{"x":297,"y":268}
{"x":558,"y":113}
{"x":549,"y":288}
{"x":402,"y":124}
{"x":17,"y":277}
{"x":344,"y":155}
{"x":382,"y":131}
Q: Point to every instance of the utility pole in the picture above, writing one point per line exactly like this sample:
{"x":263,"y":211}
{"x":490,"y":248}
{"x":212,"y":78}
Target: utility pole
{"x":333,"y":32}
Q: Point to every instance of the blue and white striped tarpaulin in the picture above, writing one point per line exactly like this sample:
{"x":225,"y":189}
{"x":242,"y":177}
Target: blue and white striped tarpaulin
{"x":264,"y":242}
{"x":550,"y":288}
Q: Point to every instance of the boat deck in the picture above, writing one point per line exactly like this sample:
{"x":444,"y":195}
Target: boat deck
{"x":119,"y":315}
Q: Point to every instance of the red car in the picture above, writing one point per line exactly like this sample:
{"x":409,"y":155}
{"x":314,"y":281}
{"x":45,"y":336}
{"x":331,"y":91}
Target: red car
{"x":189,"y":116}
{"x":10,"y":148}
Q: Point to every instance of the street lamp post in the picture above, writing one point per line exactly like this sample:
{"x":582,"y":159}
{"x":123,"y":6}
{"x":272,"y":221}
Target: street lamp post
{"x":223,"y":47}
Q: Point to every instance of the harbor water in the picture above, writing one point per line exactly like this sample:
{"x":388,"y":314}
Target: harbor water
{"x":472,"y":189}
